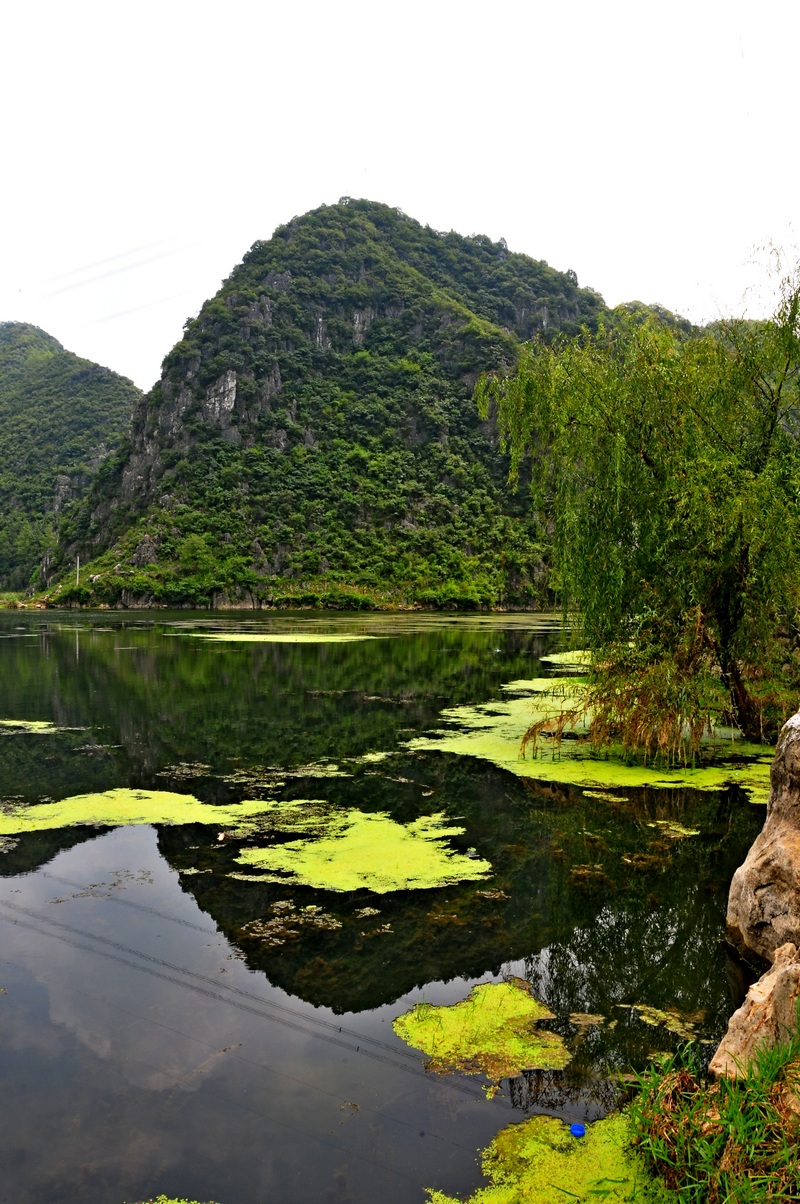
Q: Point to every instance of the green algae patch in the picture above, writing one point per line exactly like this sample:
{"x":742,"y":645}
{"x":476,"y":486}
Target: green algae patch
{"x":493,"y":1032}
{"x":341,"y":850}
{"x":37,"y":727}
{"x":348,"y":850}
{"x":605,"y":796}
{"x":173,"y":1200}
{"x":114,"y":808}
{"x":250,"y":637}
{"x":539,"y":1162}
{"x":494,"y":731}
{"x":569,"y":662}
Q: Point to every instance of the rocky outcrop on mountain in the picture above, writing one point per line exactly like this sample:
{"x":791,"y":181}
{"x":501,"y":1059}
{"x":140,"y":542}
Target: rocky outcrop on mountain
{"x":764,"y":902}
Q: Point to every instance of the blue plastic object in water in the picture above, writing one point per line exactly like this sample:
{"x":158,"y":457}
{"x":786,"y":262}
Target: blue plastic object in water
{"x":577,"y":1130}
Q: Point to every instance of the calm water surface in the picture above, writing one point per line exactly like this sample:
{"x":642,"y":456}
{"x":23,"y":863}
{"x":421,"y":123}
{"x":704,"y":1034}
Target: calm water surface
{"x":150,"y":1044}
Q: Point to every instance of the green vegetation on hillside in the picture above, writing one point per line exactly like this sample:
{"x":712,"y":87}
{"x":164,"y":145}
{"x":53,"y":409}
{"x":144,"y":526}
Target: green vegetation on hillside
{"x":313,"y":438}
{"x":59,"y":417}
{"x":670,"y":467}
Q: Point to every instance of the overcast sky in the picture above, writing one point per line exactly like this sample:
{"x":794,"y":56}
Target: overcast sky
{"x":652,"y":148}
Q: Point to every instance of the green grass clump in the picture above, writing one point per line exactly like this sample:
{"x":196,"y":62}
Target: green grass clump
{"x":731,"y":1141}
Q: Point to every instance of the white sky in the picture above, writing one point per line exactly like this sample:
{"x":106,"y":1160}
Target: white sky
{"x":146,"y":145}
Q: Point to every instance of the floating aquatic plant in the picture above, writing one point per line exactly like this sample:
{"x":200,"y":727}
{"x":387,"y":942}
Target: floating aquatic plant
{"x":492,"y":1032}
{"x":672,"y":829}
{"x":577,"y":661}
{"x":353,"y":850}
{"x":257,"y":637}
{"x":340,"y":850}
{"x":605,"y":796}
{"x":494,"y":732}
{"x":683,"y":1024}
{"x":540,"y":1162}
{"x":586,"y":1019}
{"x":36,"y":727}
{"x":113,"y":808}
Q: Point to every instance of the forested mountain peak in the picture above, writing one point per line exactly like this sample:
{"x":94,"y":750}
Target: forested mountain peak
{"x":21,"y":344}
{"x":313,"y":433}
{"x":59,"y":417}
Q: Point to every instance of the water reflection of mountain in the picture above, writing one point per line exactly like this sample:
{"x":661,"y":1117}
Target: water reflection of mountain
{"x":644,"y":924}
{"x":601,"y":899}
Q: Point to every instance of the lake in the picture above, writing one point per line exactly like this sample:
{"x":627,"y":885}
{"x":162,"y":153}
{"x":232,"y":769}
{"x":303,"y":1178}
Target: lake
{"x":193,"y":1007}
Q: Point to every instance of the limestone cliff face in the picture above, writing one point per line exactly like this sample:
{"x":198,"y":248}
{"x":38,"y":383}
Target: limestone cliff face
{"x":764,"y":903}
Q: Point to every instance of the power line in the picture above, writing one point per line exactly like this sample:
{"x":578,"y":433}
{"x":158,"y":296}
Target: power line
{"x":68,"y":288}
{"x":281,"y":1074}
{"x":245,"y":1001}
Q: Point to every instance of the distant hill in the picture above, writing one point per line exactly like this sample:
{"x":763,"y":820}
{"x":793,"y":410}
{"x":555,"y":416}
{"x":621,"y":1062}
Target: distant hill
{"x":313,"y":437}
{"x":59,"y":417}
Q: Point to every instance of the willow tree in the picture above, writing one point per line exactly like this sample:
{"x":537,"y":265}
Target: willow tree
{"x":667,"y":468}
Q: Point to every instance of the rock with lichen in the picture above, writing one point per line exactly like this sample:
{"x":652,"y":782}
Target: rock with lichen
{"x":767,"y":1017}
{"x":764,"y":902}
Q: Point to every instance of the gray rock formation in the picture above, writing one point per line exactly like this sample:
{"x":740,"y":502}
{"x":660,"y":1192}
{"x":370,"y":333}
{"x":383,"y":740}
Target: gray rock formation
{"x":764,"y":901}
{"x":767,"y":1016}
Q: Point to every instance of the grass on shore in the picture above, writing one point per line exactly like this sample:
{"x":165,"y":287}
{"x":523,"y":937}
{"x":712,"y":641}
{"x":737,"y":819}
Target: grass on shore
{"x":735,"y":1140}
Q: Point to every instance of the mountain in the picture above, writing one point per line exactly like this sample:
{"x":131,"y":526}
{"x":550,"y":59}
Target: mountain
{"x":59,"y":417}
{"x":313,"y":437}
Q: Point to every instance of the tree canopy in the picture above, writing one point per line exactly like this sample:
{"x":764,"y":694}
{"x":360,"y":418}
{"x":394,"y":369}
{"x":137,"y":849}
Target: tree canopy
{"x":668,"y":465}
